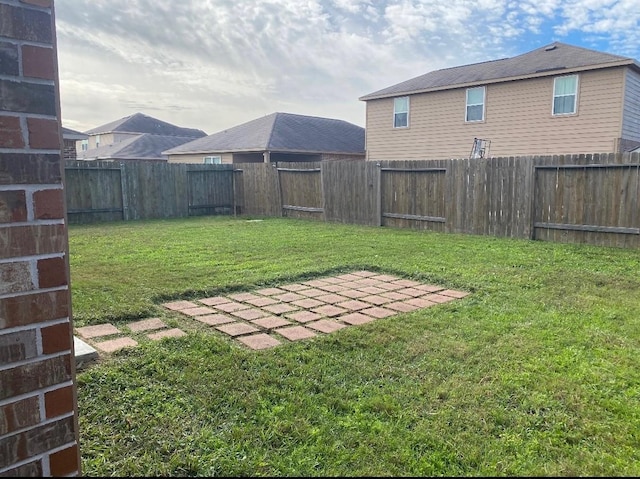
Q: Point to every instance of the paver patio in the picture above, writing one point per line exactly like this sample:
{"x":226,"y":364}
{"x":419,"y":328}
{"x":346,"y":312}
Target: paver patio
{"x":268,"y":317}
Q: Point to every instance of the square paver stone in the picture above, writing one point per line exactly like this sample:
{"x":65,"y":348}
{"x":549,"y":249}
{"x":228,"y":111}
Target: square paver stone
{"x":243,"y":296}
{"x":280,"y":308}
{"x":97,"y":331}
{"x":237,"y":329}
{"x":420,"y":302}
{"x":372,"y":290}
{"x":378,"y":312}
{"x":259,"y":341}
{"x":353,"y":293}
{"x":353,"y":305}
{"x":304,"y":316}
{"x":231,"y":307}
{"x":146,"y":325}
{"x":326,"y":325}
{"x":264,"y":301}
{"x":288,"y":297}
{"x":307,"y":303}
{"x":116,"y":344}
{"x":376,"y":299}
{"x":169,"y":333}
{"x":334,"y":288}
{"x":296,"y":333}
{"x":407,"y":283}
{"x":385,"y":278}
{"x":215,"y":300}
{"x":178,"y":305}
{"x":363,"y":273}
{"x":270,"y":291}
{"x":214,"y":319}
{"x":249,"y":314}
{"x":315,"y":283}
{"x":396,"y":296}
{"x":401,"y":306}
{"x":453,"y":293}
{"x":349,"y":277}
{"x":311,"y":292}
{"x":331,"y":298}
{"x":356,"y":318}
{"x":329,"y":310}
{"x":201,"y":311}
{"x":429,"y":288}
{"x":294,"y":287}
{"x":271,"y":322}
{"x":413,"y":292}
{"x":438,"y":298}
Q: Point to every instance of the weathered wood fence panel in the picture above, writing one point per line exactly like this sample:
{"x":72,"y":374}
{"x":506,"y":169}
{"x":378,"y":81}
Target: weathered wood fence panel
{"x":574,"y":198}
{"x":93,"y":193}
{"x":300,"y":189}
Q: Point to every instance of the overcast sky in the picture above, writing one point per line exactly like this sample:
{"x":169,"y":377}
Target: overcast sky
{"x":213,"y":64}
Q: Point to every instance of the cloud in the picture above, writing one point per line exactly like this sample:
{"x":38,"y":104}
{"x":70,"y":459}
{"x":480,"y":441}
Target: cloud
{"x":215,"y":63}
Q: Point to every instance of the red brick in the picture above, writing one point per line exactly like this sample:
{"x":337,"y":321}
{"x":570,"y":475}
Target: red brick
{"x":49,"y":204}
{"x":33,"y":240}
{"x":52,"y":272}
{"x":58,"y":402}
{"x":30,"y":377}
{"x":29,"y":168}
{"x":56,"y":339}
{"x":33,"y":308}
{"x":39,"y":440}
{"x":65,"y":462}
{"x":38,"y":62}
{"x":19,"y":414}
{"x":13,"y":206}
{"x":10,"y":132}
{"x":43,"y":133}
{"x":18,"y":346}
{"x":15,"y":277}
{"x":26,"y":24}
{"x":31,"y":469}
{"x":22,"y":97}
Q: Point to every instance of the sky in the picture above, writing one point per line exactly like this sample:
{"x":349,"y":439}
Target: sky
{"x":214,"y":64}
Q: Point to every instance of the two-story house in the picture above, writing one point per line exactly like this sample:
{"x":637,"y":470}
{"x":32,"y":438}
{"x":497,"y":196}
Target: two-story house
{"x":558,"y":99}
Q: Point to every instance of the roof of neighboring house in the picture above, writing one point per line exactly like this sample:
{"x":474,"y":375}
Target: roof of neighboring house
{"x":69,"y":134}
{"x":140,"y":123}
{"x":548,"y":60}
{"x":282,"y":132}
{"x":141,"y":147}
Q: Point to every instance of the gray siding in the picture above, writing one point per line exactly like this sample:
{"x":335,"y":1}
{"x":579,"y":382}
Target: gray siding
{"x":631,"y":115}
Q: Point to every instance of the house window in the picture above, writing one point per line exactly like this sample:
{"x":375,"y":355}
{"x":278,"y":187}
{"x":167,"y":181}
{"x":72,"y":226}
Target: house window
{"x":84,"y":146}
{"x":401,"y":112}
{"x":475,"y":104}
{"x":212,"y":160}
{"x":97,"y":141}
{"x":565,"y":93}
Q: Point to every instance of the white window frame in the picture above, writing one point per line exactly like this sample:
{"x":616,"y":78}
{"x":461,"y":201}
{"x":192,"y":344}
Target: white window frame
{"x":400,"y":112}
{"x":97,"y":141}
{"x":484,"y":101}
{"x":84,"y":145}
{"x":574,"y":94}
{"x":212,"y":160}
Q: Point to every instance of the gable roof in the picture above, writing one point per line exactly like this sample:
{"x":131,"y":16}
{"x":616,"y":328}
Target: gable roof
{"x":548,"y":60}
{"x":69,"y":134}
{"x":141,"y":147}
{"x":282,"y":132}
{"x":140,"y":123}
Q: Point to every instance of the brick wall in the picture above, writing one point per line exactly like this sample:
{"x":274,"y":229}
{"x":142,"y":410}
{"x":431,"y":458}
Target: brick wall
{"x":38,"y":408}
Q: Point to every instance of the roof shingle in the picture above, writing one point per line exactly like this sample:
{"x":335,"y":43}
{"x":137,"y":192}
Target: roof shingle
{"x":547,"y":60}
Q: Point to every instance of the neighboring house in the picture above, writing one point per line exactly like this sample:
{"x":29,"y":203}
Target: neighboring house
{"x":69,"y":138}
{"x":558,"y":99}
{"x":136,"y":137}
{"x":276,"y":137}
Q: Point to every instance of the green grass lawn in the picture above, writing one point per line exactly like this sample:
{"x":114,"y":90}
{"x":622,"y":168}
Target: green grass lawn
{"x":535,"y":373}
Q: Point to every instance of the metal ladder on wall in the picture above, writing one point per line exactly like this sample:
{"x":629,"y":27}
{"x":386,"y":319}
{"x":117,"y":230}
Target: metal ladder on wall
{"x":480,"y":148}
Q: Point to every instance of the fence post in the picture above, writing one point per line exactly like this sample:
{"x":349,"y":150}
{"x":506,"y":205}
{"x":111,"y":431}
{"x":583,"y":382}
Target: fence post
{"x":379,"y":196}
{"x":123,"y":192}
{"x":275,"y":165}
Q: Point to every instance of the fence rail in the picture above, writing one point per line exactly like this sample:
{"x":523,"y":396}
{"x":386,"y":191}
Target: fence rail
{"x":574,"y":198}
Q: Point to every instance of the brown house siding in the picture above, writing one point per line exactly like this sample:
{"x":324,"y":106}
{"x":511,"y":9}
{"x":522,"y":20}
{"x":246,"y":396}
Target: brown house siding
{"x":631,"y":118}
{"x":518,"y":121}
{"x":227,"y":158}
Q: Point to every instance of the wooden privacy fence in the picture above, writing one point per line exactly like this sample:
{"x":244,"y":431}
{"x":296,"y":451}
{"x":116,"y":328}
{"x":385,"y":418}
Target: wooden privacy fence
{"x":573,"y":198}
